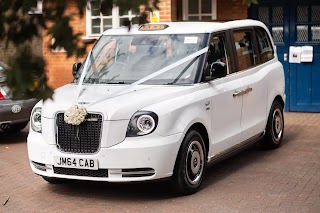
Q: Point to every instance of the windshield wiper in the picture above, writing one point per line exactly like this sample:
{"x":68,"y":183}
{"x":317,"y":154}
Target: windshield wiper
{"x":119,"y":82}
{"x":108,"y":82}
{"x":170,"y":83}
{"x":90,"y":80}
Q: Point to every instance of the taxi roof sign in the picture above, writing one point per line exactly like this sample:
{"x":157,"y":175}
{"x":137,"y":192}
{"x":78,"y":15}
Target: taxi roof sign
{"x":153,"y":27}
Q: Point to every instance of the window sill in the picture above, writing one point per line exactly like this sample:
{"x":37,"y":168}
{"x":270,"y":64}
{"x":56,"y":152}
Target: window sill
{"x":90,"y":37}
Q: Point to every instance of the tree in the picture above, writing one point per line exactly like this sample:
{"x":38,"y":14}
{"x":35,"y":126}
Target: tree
{"x":26,"y":75}
{"x":249,"y":2}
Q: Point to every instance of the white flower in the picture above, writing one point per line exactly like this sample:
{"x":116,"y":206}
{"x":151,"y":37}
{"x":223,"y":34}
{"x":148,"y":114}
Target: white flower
{"x":75,"y":115}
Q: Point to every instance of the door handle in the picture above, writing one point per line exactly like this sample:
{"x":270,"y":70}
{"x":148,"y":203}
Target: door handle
{"x":249,"y":89}
{"x":242,"y":92}
{"x":238,"y":93}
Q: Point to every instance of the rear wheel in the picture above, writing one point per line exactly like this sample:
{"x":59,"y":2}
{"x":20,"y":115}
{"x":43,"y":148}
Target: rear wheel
{"x":275,"y":127}
{"x":190,"y":164}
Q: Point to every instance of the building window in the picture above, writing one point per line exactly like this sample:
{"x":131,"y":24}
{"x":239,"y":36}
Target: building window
{"x":98,"y":23}
{"x":199,"y":10}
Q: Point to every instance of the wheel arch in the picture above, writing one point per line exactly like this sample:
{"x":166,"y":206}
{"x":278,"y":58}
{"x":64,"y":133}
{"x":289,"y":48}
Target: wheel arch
{"x":279,"y":98}
{"x":276,"y":98}
{"x":199,"y":127}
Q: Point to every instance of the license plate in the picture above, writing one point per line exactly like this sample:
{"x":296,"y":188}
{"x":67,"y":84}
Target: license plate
{"x":78,"y":163}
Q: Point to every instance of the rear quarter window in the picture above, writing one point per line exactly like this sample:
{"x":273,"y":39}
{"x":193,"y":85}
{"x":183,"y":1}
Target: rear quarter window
{"x":265,"y":48}
{"x":245,"y":52}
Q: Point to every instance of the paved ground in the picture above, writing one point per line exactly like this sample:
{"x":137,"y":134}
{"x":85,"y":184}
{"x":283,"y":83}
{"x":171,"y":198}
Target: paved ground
{"x":282,"y":180}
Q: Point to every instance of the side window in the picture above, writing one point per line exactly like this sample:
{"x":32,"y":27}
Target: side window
{"x":243,"y":41}
{"x":266,"y":52}
{"x":218,"y":60}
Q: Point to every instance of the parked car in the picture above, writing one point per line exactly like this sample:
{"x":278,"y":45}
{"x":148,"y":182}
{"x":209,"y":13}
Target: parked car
{"x":14,"y":114}
{"x":161,"y":101}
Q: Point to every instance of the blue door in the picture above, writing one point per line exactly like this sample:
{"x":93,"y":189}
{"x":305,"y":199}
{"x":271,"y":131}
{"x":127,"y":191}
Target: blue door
{"x":295,"y":23}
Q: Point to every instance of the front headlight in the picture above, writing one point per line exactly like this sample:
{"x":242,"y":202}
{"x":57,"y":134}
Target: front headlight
{"x":36,"y":119}
{"x":142,"y":123}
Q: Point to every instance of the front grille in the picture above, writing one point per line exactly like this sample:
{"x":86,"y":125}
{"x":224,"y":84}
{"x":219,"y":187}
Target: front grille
{"x":82,"y":139}
{"x":81,"y":172}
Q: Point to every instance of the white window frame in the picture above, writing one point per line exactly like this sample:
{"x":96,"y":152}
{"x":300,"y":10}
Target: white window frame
{"x":185,"y":6}
{"x":115,"y":17}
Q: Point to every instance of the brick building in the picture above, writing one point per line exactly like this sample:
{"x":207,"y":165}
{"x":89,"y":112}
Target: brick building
{"x":93,"y":24}
{"x":9,"y":49}
{"x":290,"y":22}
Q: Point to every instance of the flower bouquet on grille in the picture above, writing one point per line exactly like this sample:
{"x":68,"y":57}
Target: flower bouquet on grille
{"x":75,"y":115}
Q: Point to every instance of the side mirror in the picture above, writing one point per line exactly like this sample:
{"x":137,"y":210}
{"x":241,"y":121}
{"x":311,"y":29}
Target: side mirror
{"x":75,"y":68}
{"x":218,"y":70}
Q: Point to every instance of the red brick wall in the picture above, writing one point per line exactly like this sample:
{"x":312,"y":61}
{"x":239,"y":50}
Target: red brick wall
{"x":9,"y":51}
{"x":226,"y":10}
{"x":6,"y":51}
{"x":231,"y":10}
{"x":59,"y":67}
{"x":168,"y":10}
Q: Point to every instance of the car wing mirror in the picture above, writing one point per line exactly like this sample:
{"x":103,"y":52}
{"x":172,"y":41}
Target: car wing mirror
{"x":75,"y":68}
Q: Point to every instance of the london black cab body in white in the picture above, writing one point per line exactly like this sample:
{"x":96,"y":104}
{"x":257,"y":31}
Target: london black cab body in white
{"x":161,"y":101}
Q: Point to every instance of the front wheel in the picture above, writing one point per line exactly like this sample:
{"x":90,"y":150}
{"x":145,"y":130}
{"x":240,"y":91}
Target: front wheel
{"x":275,"y":127}
{"x":190,"y":165}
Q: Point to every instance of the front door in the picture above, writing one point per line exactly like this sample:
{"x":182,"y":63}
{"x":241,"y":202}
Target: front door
{"x":226,"y":105}
{"x":295,"y":23}
{"x":226,"y":113}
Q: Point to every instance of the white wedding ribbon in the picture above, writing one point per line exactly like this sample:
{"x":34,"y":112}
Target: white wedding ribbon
{"x":159,"y":72}
{"x":83,"y":74}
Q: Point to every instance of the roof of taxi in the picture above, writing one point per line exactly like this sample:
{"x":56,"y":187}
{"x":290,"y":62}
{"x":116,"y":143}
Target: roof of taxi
{"x":186,"y":27}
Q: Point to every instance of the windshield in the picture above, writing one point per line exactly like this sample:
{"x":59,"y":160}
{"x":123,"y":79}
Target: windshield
{"x":124,"y":59}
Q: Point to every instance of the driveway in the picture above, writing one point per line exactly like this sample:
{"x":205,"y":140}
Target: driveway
{"x":282,"y":180}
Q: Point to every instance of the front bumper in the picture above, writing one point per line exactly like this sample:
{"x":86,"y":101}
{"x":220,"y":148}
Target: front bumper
{"x":133,"y":155}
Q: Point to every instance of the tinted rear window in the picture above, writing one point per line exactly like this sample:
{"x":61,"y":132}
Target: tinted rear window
{"x":266,"y":51}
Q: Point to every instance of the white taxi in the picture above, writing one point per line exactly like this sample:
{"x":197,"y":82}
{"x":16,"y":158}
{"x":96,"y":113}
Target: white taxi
{"x":161,"y":101}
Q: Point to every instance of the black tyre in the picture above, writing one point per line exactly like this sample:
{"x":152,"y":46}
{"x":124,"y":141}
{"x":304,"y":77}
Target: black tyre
{"x":275,"y":127}
{"x":190,"y":165}
{"x":53,"y":180}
